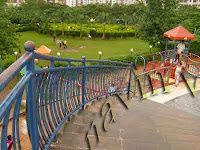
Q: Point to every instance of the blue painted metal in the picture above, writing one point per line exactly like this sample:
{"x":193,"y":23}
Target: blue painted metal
{"x":162,"y":59}
{"x":174,"y":52}
{"x":144,"y":66}
{"x":189,"y":45}
{"x":52,"y":64}
{"x":14,"y":69}
{"x":83,"y":82}
{"x":15,"y":128}
{"x":153,"y":58}
{"x":32,"y":108}
{"x":166,"y":47}
{"x":129,"y":82}
{"x":55,"y":93}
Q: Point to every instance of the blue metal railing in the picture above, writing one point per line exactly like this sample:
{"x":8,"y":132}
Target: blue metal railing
{"x":54,"y":94}
{"x":155,"y":79}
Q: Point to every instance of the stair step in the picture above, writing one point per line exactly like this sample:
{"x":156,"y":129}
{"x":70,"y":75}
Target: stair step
{"x":145,"y":125}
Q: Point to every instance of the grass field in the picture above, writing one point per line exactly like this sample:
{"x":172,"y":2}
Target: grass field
{"x":86,"y":47}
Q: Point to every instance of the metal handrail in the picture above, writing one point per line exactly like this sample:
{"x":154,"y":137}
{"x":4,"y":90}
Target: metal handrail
{"x":53,"y":94}
{"x":7,"y":75}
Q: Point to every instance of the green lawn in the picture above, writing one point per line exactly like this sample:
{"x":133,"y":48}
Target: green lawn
{"x":90,"y":47}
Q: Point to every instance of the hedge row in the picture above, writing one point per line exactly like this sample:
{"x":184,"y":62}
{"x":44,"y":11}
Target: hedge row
{"x":24,"y":27}
{"x":94,"y":30}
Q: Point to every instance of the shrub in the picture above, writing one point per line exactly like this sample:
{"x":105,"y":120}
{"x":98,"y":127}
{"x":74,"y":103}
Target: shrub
{"x":8,"y":61}
{"x":195,"y":46}
{"x":131,"y":59}
{"x":93,"y":33}
{"x":24,"y":27}
{"x":95,"y":30}
{"x":64,"y":64}
{"x":60,"y":64}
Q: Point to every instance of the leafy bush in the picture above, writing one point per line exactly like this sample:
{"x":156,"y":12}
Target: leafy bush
{"x":8,"y":61}
{"x":24,"y":27}
{"x":131,"y":59}
{"x":60,"y":64}
{"x":63,"y":64}
{"x":195,"y":46}
{"x":95,"y":30}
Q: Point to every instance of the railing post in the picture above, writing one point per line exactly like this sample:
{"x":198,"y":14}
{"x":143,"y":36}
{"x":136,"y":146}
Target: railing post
{"x":174,"y":52}
{"x":129,"y":82}
{"x":52,"y":65}
{"x":169,"y":73}
{"x":31,"y":101}
{"x":135,"y":84}
{"x":83,"y":82}
{"x":69,"y":64}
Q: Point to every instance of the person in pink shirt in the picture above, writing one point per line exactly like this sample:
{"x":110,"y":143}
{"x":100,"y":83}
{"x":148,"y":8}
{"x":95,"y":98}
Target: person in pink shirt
{"x":9,"y":142}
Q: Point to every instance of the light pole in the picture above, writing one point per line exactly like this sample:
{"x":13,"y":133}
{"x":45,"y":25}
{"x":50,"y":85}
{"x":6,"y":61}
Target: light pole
{"x":131,"y":50}
{"x":58,"y":54}
{"x":150,"y":48}
{"x":100,"y":54}
{"x":16,"y":54}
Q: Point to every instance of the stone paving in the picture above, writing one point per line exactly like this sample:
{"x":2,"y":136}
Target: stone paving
{"x":145,"y":125}
{"x":187,"y":103}
{"x":173,"y":92}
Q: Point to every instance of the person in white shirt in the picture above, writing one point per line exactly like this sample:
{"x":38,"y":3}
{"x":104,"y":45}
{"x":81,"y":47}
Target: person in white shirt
{"x":181,"y":47}
{"x":111,"y":89}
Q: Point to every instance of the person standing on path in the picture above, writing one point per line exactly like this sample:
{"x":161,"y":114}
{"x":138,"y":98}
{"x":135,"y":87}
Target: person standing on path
{"x":178,"y":73}
{"x":60,"y":43}
{"x":65,"y":44}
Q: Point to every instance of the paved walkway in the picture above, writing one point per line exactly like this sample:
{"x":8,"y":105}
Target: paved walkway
{"x":146,"y":125}
{"x":186,"y":103}
{"x":173,"y":92}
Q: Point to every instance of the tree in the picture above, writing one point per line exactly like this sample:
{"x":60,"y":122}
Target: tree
{"x":63,"y":15}
{"x":104,"y":18}
{"x":80,"y":18}
{"x":8,"y":35}
{"x":159,"y":18}
{"x":188,"y":16}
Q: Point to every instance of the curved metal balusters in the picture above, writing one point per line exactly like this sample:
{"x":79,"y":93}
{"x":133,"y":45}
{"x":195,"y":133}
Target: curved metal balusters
{"x":59,"y":94}
{"x":54,"y":94}
{"x":100,"y":79}
{"x":155,"y":78}
{"x":192,"y":64}
{"x":10,"y":108}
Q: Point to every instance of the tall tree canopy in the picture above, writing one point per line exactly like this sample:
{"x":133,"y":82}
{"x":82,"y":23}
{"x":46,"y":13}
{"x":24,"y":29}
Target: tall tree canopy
{"x":160,"y":17}
{"x":8,"y":36}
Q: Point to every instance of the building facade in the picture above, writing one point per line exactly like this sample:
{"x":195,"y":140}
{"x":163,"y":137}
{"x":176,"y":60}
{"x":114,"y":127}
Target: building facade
{"x":73,"y":3}
{"x":190,"y":2}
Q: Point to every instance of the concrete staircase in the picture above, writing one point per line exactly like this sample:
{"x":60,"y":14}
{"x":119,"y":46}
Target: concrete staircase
{"x":145,"y":125}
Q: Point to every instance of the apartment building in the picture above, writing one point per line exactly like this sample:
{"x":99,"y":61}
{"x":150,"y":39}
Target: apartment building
{"x":190,"y":2}
{"x":72,"y":3}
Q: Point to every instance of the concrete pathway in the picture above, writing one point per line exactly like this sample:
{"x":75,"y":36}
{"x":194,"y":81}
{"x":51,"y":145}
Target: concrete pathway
{"x":145,"y":125}
{"x":186,"y":103}
{"x":172,"y":92}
